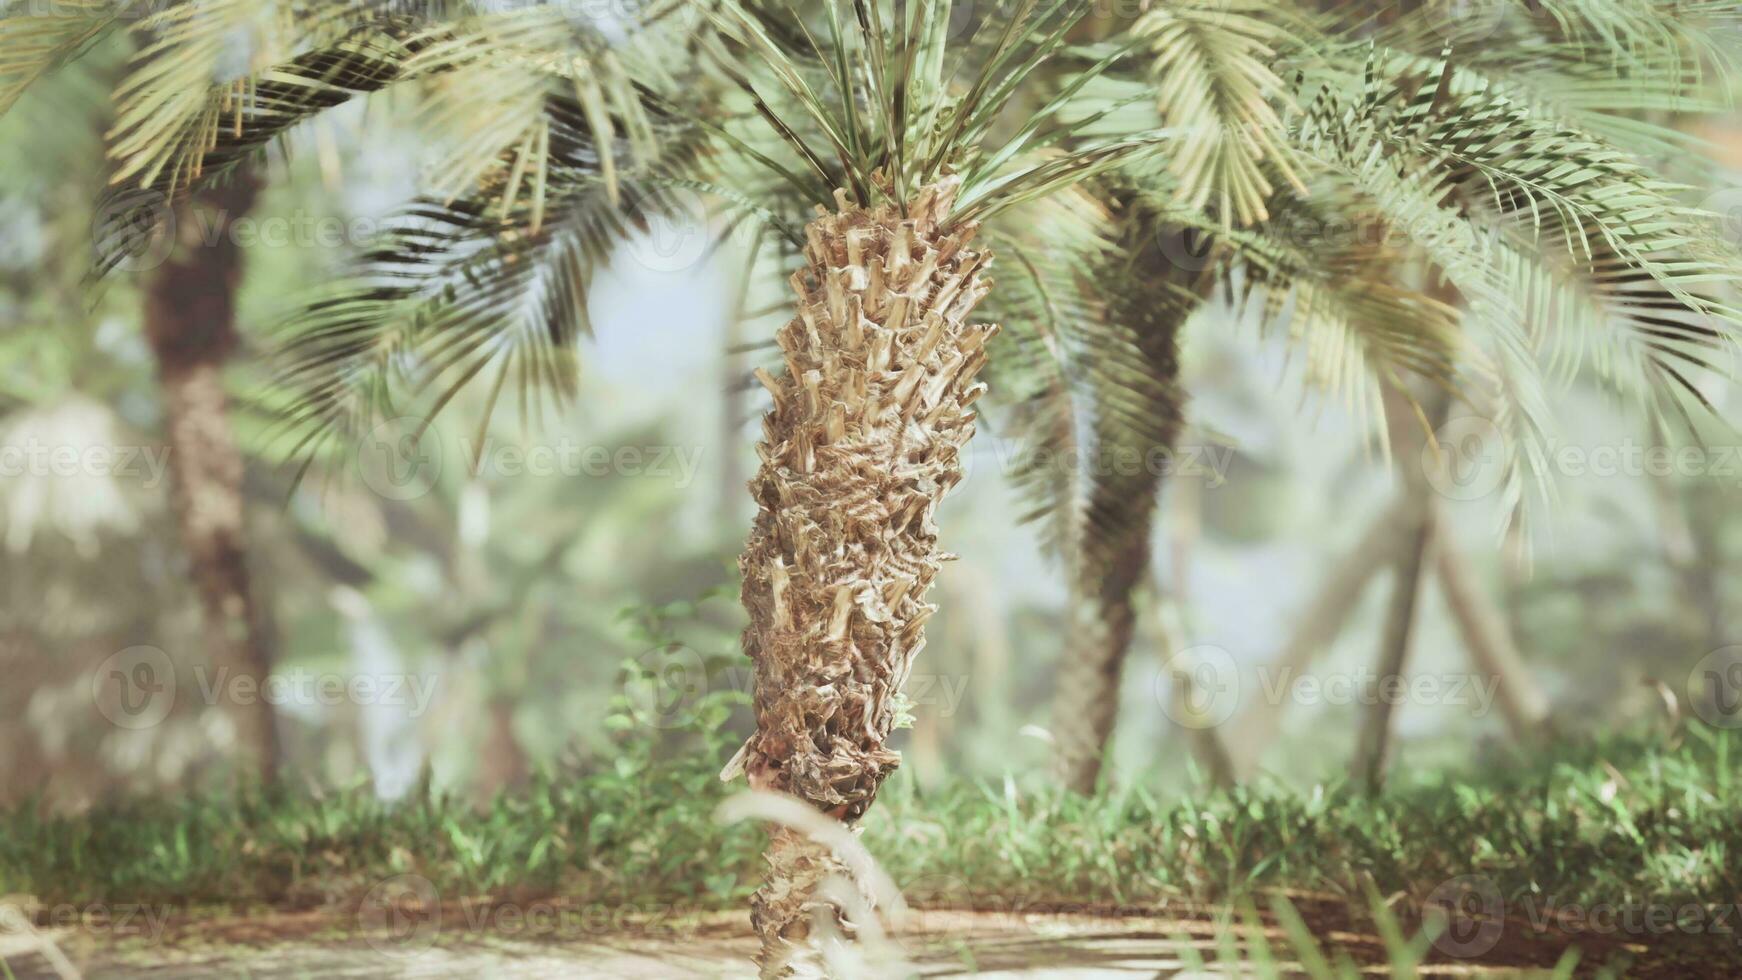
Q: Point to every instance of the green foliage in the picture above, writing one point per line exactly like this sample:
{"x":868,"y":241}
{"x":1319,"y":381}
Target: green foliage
{"x":1613,"y":821}
{"x":1505,"y":151}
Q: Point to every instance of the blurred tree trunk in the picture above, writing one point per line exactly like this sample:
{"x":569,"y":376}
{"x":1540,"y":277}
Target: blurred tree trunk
{"x":1373,"y":749}
{"x":1373,"y":746}
{"x":1086,"y":690}
{"x":860,"y":447}
{"x":1209,"y":749}
{"x":1692,"y":555}
{"x":190,"y":324}
{"x":504,"y":761}
{"x":1489,"y":642}
{"x":1482,"y":625}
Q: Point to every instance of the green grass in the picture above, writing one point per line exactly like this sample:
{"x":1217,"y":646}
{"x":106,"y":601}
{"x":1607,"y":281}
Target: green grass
{"x":1622,"y":820}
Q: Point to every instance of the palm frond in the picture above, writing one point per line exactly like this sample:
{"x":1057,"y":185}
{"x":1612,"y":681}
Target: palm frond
{"x":1523,"y":215}
{"x":178,"y":122}
{"x":890,"y":102}
{"x":1210,"y":63}
{"x":187,"y":113}
{"x":1328,"y":280}
{"x":1138,"y":395}
{"x":34,"y":44}
{"x":463,"y":291}
{"x":1604,"y":67}
{"x":1046,"y":301}
{"x":490,"y":75}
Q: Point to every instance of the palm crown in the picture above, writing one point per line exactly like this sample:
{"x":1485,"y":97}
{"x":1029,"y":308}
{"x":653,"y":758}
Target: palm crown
{"x":1338,"y":159}
{"x":1404,"y":191}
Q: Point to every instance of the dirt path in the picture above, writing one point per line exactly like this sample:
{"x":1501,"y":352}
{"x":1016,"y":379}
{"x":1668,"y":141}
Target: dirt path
{"x":936,"y":944}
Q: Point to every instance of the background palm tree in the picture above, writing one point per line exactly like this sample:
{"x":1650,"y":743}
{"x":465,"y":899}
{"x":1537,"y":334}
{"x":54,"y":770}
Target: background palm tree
{"x":190,"y":267}
{"x":1137,"y":417}
{"x":190,"y":324}
{"x":873,"y":138}
{"x":1214,"y":58}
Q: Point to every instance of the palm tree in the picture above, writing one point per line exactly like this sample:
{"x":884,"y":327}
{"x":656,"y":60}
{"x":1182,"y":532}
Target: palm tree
{"x":190,"y":270}
{"x":873,"y":137}
{"x":1215,"y":51}
{"x":190,"y":324}
{"x":1135,"y":412}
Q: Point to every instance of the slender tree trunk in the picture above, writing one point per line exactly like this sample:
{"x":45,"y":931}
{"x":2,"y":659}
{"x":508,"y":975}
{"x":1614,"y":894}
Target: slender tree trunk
{"x":859,"y":449}
{"x":1373,"y":749}
{"x":1184,"y":518}
{"x":1689,"y":555}
{"x":1209,"y":749}
{"x":1373,"y":746}
{"x":190,"y":323}
{"x":504,"y":761}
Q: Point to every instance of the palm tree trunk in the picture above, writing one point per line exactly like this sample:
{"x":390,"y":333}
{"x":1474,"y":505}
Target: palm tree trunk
{"x":861,"y":445}
{"x":1086,"y":690}
{"x":190,"y":323}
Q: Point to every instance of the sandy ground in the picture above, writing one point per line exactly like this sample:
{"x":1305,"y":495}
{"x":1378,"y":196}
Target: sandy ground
{"x":936,"y":944}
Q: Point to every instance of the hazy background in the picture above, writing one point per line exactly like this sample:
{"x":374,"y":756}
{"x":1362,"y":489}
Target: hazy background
{"x":479,"y":626}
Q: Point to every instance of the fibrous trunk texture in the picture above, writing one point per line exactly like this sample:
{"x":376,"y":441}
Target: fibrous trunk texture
{"x":190,"y":322}
{"x":859,"y":449}
{"x":1086,"y":691}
